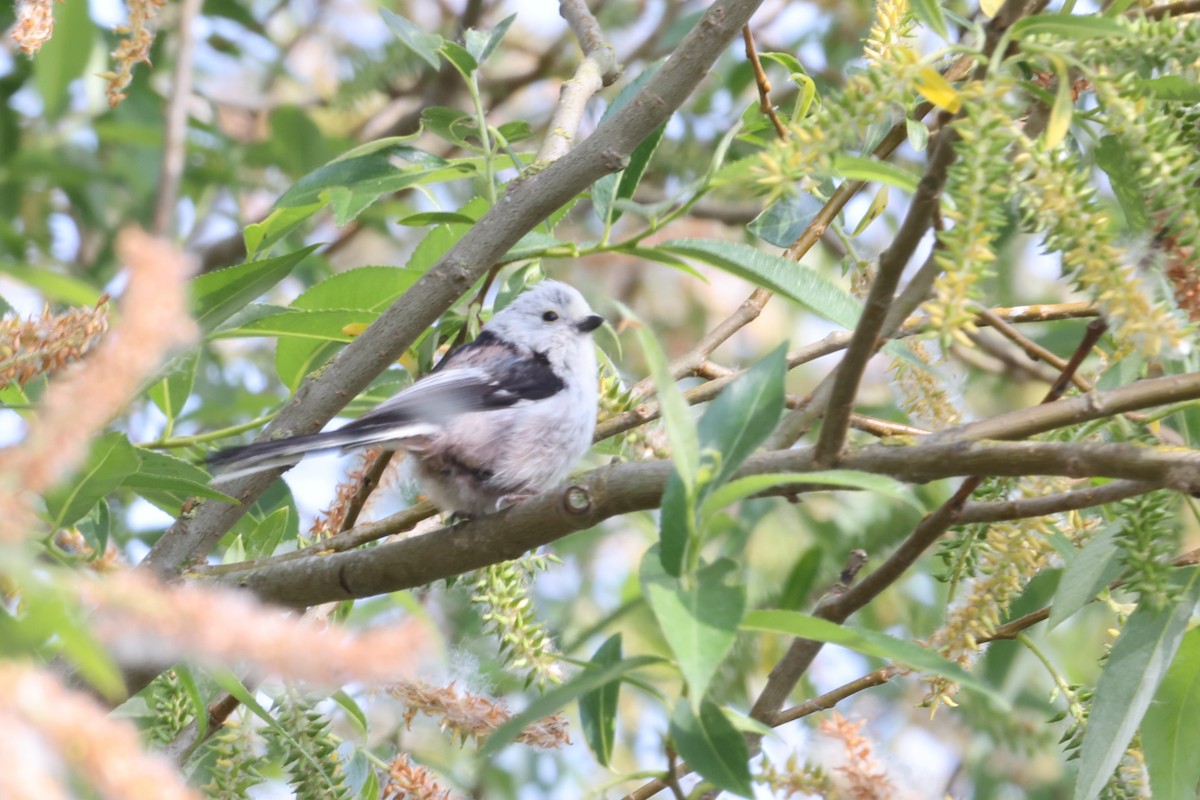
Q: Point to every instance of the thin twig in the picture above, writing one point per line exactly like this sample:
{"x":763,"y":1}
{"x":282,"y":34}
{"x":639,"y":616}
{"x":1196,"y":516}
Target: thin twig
{"x":367,"y":484}
{"x":763,"y":83}
{"x":175,"y":126}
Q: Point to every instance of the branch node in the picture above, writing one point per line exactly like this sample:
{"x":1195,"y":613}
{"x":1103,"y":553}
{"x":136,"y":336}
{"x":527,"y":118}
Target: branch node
{"x":576,"y":500}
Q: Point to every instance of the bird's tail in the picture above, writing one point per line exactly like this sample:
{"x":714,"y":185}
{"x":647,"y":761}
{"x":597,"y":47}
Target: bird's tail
{"x":236,"y":462}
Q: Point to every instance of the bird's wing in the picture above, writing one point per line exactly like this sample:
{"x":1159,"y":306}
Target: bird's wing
{"x":484,"y":375}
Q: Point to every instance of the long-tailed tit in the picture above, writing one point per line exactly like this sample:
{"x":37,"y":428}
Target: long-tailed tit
{"x":499,"y":419}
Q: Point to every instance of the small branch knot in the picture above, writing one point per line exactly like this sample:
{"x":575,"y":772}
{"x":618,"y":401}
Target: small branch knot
{"x":576,"y":500}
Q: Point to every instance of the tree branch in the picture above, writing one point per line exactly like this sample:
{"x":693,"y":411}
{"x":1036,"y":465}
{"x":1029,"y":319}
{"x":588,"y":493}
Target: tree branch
{"x":619,"y":489}
{"x":598,"y":69}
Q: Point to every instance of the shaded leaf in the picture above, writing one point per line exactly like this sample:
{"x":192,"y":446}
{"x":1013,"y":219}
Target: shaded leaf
{"x":1092,"y":568}
{"x":481,"y":44}
{"x":63,"y":57}
{"x":216,"y":296}
{"x":110,"y":459}
{"x":930,"y":13}
{"x":1137,"y":664}
{"x":861,"y":168}
{"x":598,"y":708}
{"x":422,"y":43}
{"x":711,"y":745}
{"x":1171,"y":727}
{"x":167,"y":481}
{"x":698,"y":617}
{"x":1066,"y":26}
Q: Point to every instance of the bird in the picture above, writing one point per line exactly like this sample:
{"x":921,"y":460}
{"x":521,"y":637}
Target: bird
{"x":498,"y":420}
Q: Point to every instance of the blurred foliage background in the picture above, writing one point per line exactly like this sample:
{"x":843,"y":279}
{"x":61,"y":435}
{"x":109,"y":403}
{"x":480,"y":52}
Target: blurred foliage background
{"x":281,"y":90}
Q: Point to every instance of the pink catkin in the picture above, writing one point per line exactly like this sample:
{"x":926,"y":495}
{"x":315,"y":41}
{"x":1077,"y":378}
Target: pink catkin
{"x":35,"y":24}
{"x":87,"y":395}
{"x":77,"y":732}
{"x":142,"y":619}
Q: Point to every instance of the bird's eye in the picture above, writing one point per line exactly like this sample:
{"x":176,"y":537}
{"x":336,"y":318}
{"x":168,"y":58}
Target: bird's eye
{"x":550,"y":316}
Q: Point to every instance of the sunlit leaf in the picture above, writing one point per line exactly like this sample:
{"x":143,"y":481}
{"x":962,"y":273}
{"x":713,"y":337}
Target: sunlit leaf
{"x":421,"y":42}
{"x":937,"y":90}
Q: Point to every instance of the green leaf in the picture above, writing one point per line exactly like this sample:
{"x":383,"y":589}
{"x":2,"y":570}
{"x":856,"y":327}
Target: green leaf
{"x":170,"y":393}
{"x":869,"y":643}
{"x":325,"y":325}
{"x":917,"y":132}
{"x":424,"y":44}
{"x":459,"y":57}
{"x":54,"y":286}
{"x":371,"y":171}
{"x":260,"y":236}
{"x":606,"y":195}
{"x":1171,"y":89}
{"x":744,"y":413}
{"x":598,"y":708}
{"x":353,"y":710}
{"x":741,"y":488}
{"x":480,"y":44}
{"x":1171,"y":727}
{"x":698,"y":617}
{"x":367,"y":290}
{"x":167,"y":482}
{"x":711,"y":745}
{"x":110,"y":459}
{"x":861,"y":168}
{"x":263,"y":540}
{"x":1092,"y":568}
{"x":1063,"y":109}
{"x":1113,"y":157}
{"x":434,"y":218}
{"x":1067,"y":27}
{"x":587,"y":681}
{"x":677,"y":416}
{"x":1137,"y":664}
{"x":450,"y":124}
{"x":199,"y":708}
{"x":798,"y":283}
{"x":930,"y":14}
{"x":47,"y":614}
{"x":216,"y":296}
{"x":64,"y":56}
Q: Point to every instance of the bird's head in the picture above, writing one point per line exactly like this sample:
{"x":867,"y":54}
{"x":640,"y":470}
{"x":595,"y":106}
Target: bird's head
{"x":552,"y":318}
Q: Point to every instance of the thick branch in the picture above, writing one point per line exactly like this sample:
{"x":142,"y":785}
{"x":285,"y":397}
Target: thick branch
{"x":527,"y":202}
{"x":609,"y":491}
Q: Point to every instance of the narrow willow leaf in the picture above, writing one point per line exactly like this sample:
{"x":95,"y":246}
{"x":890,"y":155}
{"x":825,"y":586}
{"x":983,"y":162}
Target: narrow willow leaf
{"x":170,"y":393}
{"x":598,"y":708}
{"x":1137,"y":663}
{"x":1063,"y":108}
{"x":1112,"y":157}
{"x":741,"y":488}
{"x":481,"y":44}
{"x":63,"y":57}
{"x":677,"y":416}
{"x":422,"y":43}
{"x":1092,"y":568}
{"x":459,"y":57}
{"x":167,"y":482}
{"x":930,"y":14}
{"x":795,"y":281}
{"x":110,"y":459}
{"x":711,"y":745}
{"x":586,"y":681}
{"x":1172,"y":725}
{"x":698,"y":617}
{"x":869,"y":643}
{"x":744,"y":414}
{"x":874,"y":211}
{"x":1067,"y":27}
{"x":1171,"y":88}
{"x":216,"y":296}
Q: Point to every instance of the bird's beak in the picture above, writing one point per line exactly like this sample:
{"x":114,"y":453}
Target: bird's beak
{"x":590,"y":324}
